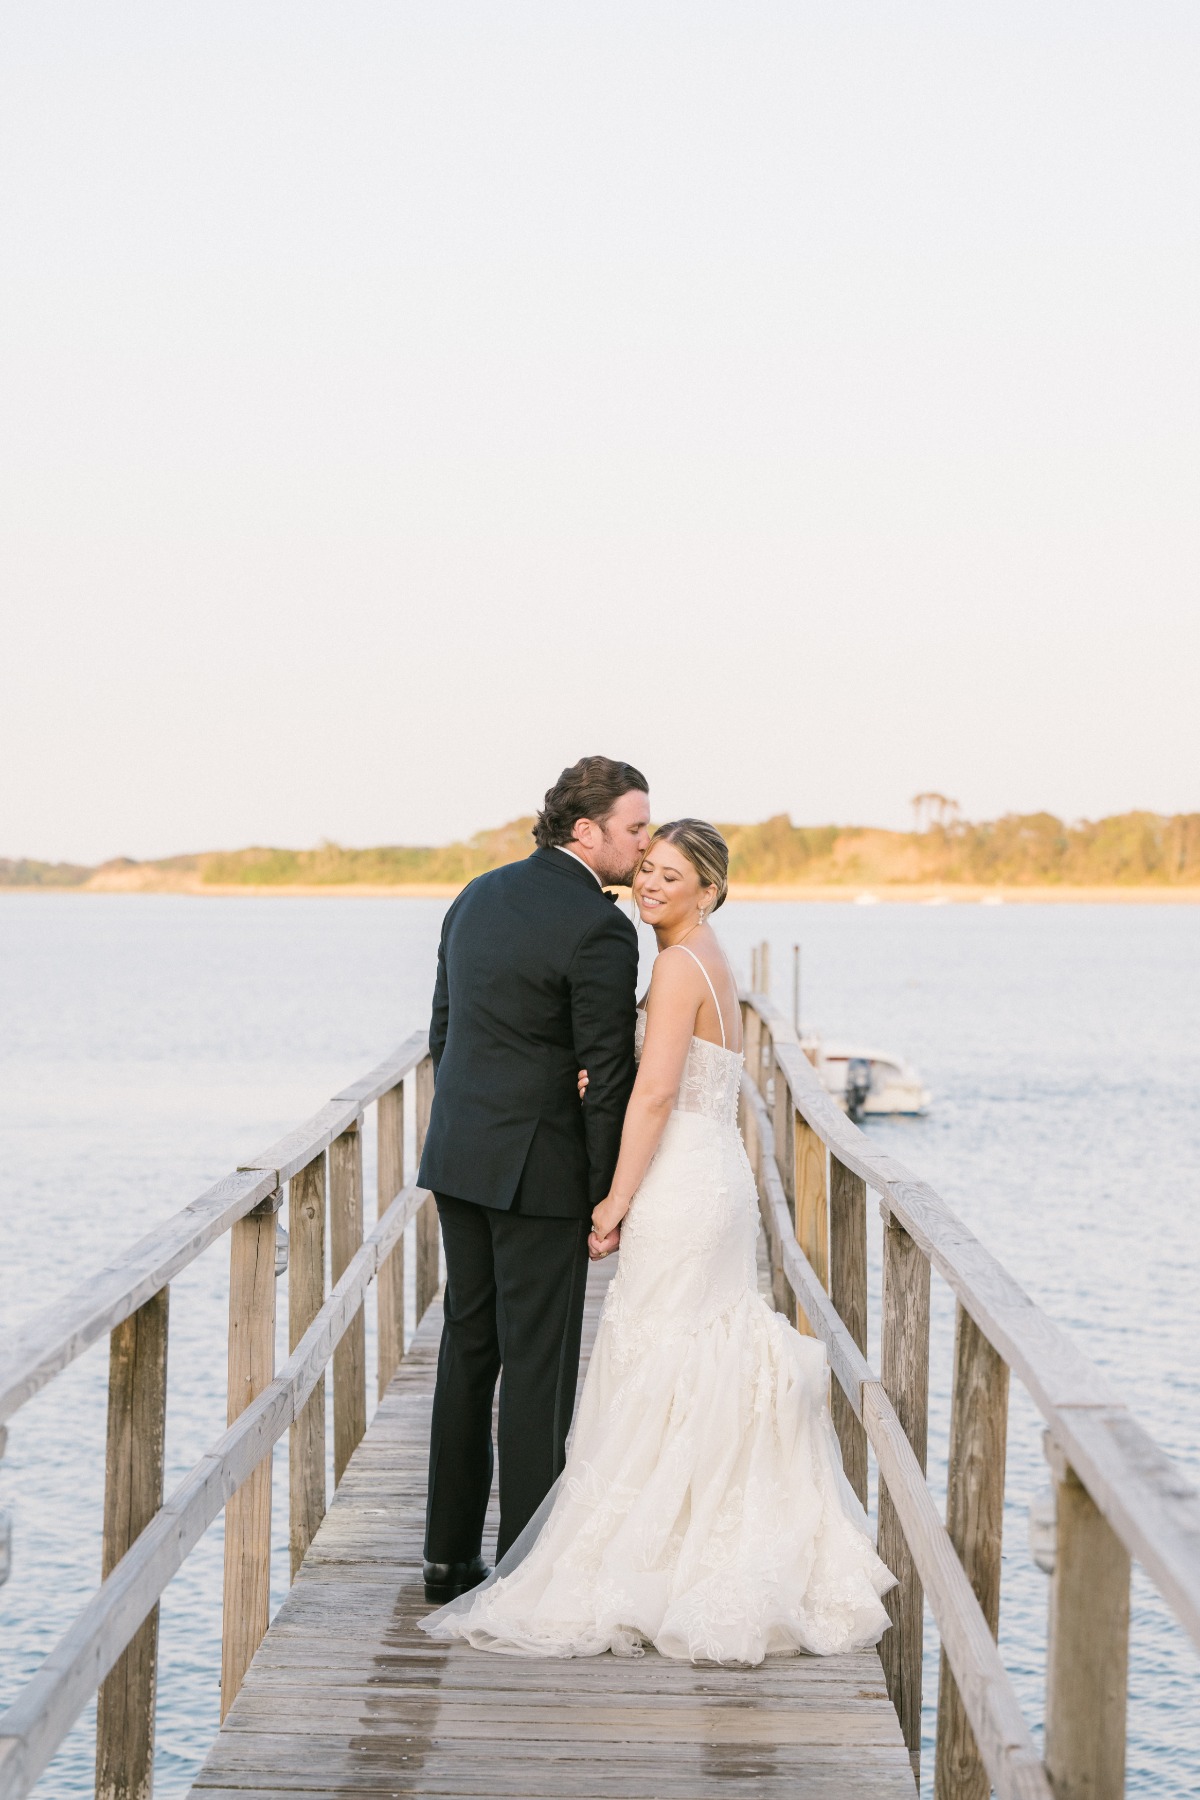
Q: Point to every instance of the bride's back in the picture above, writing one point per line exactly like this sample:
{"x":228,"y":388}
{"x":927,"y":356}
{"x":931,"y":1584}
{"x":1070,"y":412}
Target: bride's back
{"x":718,"y":1014}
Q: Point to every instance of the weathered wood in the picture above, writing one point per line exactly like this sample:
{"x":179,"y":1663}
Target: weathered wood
{"x":306,"y":1294}
{"x":133,"y":1493}
{"x":429,"y":1275}
{"x":1146,"y":1499}
{"x":1055,"y":1370}
{"x":51,"y":1339}
{"x":847,"y":1361}
{"x":1004,"y":1739}
{"x":387,"y":1076}
{"x":349,"y":1697}
{"x":783,"y":1137}
{"x":783,"y":1140}
{"x":389,"y":1181}
{"x":752,"y":1120}
{"x":991,"y":1706}
{"x":904,"y":1368}
{"x":34,"y":1725}
{"x":247,"y":1585}
{"x":752,"y":1035}
{"x":301,"y":1146}
{"x":1087,"y":1659}
{"x":1149,"y":1501}
{"x":848,"y":1290}
{"x":975,"y":1524}
{"x":345,"y":1241}
{"x":812,"y":1203}
{"x":758,"y":1129}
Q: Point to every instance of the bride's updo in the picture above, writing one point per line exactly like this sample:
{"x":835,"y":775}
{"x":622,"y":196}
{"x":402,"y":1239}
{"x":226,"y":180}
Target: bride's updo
{"x":704,"y":848}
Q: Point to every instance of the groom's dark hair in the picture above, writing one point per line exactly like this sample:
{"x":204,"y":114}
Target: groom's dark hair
{"x":589,"y":789}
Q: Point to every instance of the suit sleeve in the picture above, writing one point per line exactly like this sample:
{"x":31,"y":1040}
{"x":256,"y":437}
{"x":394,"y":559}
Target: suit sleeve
{"x":603,"y":981}
{"x":439,"y":1023}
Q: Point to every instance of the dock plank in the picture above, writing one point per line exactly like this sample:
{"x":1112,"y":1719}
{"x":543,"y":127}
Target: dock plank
{"x":347,"y":1698}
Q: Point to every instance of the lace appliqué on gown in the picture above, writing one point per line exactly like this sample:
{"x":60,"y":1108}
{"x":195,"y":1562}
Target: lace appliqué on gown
{"x":703,"y":1508}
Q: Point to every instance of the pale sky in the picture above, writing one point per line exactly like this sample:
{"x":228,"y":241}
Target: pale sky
{"x":401,"y":400}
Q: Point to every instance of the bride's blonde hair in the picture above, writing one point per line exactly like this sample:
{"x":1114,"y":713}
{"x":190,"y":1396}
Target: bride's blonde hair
{"x":704,"y":848}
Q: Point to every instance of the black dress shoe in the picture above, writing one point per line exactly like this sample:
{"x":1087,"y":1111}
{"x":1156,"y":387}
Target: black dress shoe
{"x":446,"y":1581}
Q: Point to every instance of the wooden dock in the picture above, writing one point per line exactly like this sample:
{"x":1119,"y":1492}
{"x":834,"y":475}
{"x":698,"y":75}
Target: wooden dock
{"x":347,"y":1697}
{"x":342,"y":1696}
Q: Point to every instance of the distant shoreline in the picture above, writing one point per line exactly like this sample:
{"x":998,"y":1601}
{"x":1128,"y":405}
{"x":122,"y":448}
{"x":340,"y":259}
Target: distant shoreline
{"x":868,"y":893}
{"x":1135,"y":858}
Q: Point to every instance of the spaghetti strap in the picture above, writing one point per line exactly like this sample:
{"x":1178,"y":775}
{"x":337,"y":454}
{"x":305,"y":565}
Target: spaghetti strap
{"x":712,"y":990}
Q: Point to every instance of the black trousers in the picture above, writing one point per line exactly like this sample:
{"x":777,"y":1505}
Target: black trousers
{"x":514,"y":1302}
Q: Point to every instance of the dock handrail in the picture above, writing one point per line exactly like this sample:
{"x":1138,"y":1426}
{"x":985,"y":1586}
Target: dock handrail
{"x":1118,"y":1494}
{"x":112,"y":1644}
{"x":51,"y":1339}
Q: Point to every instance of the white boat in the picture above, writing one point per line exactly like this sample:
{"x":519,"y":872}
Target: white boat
{"x":870,"y":1083}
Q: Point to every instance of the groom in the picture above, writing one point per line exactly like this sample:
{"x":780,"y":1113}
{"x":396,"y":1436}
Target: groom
{"x":536,"y":980}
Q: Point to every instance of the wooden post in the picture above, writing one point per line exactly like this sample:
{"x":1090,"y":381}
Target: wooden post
{"x":133,"y":1493}
{"x":764,"y":967}
{"x":1087,"y":1658}
{"x":743,"y":1109}
{"x":747,"y":1115}
{"x":975,"y":1523}
{"x":306,"y":1296}
{"x":785,"y":1157}
{"x":755,"y":986}
{"x":812,"y":1206}
{"x":796,"y":989}
{"x":785,"y":1148}
{"x":848,"y":1290}
{"x":389,"y":1181}
{"x":247,"y":1596}
{"x":345,"y":1240}
{"x":428,"y":1240}
{"x":752,"y":1032}
{"x":749,"y":1131}
{"x":904,"y":1371}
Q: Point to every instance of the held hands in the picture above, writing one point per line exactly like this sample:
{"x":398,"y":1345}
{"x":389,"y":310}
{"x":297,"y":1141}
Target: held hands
{"x":602,"y":1238}
{"x":605,"y":1234}
{"x":599,"y":1247}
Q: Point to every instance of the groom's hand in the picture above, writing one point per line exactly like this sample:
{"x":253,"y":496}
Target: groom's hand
{"x":600,"y":1247}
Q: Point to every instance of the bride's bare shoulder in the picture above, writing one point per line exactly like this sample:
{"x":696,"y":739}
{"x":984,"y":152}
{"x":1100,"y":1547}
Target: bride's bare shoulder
{"x":673,"y":982}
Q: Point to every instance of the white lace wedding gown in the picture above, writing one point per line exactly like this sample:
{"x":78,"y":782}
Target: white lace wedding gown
{"x":703,"y":1508}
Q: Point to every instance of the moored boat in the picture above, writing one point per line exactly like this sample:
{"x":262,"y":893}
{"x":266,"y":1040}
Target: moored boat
{"x":870,"y":1083}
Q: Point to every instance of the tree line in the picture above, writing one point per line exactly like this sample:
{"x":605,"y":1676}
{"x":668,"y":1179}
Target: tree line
{"x":1133,"y":849}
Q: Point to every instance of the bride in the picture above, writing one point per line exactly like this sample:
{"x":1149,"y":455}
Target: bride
{"x":703,"y":1508}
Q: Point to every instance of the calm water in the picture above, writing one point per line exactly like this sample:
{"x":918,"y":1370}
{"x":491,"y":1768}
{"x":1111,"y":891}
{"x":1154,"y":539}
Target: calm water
{"x":151,"y":1043}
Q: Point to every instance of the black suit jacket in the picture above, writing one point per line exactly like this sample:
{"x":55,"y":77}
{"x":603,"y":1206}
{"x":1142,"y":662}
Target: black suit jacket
{"x":537,"y":976}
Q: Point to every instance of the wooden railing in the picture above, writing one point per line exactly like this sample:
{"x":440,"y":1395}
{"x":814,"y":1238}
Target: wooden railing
{"x":1118,"y":1495}
{"x":112,"y":1645}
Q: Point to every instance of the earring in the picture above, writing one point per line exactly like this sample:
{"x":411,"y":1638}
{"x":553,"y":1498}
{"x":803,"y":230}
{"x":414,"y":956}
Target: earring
{"x":700,"y":920}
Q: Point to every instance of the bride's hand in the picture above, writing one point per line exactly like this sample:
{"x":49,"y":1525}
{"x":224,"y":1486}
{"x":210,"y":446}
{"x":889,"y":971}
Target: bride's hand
{"x":599,"y":1247}
{"x":607,"y":1223}
{"x":582,"y":1082}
